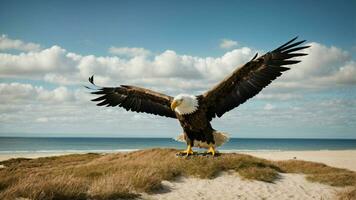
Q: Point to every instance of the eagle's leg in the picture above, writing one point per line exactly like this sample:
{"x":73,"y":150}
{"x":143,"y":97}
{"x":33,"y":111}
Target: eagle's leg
{"x":188,"y":151}
{"x":211,"y":150}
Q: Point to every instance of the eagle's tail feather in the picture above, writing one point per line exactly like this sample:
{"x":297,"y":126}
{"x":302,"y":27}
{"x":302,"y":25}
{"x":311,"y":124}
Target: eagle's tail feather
{"x":219,"y":137}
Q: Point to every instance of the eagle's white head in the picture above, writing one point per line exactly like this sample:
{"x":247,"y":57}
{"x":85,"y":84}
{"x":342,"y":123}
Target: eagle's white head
{"x":185,"y":104}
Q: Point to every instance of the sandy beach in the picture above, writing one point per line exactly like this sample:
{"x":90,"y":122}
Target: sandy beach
{"x":229,"y":185}
{"x":31,"y":155}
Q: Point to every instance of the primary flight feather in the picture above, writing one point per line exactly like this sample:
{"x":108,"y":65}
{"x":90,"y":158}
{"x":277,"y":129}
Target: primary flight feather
{"x":195,"y":112}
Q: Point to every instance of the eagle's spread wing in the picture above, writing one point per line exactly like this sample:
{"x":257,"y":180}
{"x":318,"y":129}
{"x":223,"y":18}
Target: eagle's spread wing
{"x":247,"y":81}
{"x":134,"y":99}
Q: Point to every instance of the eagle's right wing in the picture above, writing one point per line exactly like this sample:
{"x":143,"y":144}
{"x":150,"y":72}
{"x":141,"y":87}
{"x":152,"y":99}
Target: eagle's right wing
{"x":248,"y":80}
{"x":135,"y":99}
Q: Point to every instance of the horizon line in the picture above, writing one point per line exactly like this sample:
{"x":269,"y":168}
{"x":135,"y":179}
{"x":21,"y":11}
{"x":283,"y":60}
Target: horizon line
{"x":170,"y":137}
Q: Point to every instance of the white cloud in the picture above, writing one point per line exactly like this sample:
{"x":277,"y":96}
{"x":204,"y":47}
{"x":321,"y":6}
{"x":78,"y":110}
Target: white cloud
{"x":36,"y":64}
{"x":228,"y":44}
{"x":344,"y":75}
{"x":42,"y":120}
{"x":279,"y":96}
{"x":324,"y":67}
{"x":7,"y":44}
{"x":60,"y":94}
{"x":129,"y":51}
{"x":269,"y":106}
{"x":11,"y":93}
{"x":321,"y":61}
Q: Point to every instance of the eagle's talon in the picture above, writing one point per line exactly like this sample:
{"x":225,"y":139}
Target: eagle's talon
{"x":187,"y":152}
{"x":211,"y":151}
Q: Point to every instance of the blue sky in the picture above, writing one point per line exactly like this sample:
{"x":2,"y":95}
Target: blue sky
{"x":188,"y":27}
{"x":61,"y":42}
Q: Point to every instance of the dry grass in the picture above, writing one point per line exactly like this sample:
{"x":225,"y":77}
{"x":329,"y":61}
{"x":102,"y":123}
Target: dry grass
{"x":319,"y":172}
{"x":125,"y":175}
{"x":349,"y":194}
{"x":263,"y":174}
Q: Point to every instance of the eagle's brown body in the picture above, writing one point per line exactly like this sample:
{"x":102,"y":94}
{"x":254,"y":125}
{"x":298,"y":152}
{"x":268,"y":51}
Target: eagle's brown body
{"x":242,"y":84}
{"x":197,"y":126}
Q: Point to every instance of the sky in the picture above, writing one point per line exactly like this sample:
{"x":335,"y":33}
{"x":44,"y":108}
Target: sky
{"x":48,"y":49}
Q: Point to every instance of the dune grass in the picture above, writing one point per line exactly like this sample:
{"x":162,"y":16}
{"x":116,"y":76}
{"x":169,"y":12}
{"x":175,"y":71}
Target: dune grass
{"x":318,"y":172}
{"x":125,"y":175}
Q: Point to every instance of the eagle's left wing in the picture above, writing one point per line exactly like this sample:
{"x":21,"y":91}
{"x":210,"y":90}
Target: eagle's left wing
{"x":250,"y":79}
{"x":135,"y":99}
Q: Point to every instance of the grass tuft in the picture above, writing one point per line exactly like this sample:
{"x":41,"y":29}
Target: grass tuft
{"x":262,"y":174}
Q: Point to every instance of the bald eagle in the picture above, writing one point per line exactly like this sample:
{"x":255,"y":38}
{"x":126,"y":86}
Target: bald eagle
{"x":195,"y":112}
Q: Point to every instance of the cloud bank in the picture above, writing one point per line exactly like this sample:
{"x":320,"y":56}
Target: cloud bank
{"x":323,"y":67}
{"x":67,"y":106}
{"x":10,"y":44}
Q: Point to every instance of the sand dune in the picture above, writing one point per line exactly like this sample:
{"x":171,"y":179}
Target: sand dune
{"x":231,"y":186}
{"x":289,"y":186}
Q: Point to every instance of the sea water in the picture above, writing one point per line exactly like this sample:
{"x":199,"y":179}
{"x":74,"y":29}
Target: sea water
{"x":11,"y":145}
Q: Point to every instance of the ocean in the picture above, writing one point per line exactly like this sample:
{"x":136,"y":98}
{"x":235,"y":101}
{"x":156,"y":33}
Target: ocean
{"x":23,"y":145}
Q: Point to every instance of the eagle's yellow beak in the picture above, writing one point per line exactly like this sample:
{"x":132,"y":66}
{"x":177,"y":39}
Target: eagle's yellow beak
{"x":175,"y":103}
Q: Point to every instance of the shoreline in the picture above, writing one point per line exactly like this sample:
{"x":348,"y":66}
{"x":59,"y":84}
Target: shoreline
{"x":335,"y":158}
